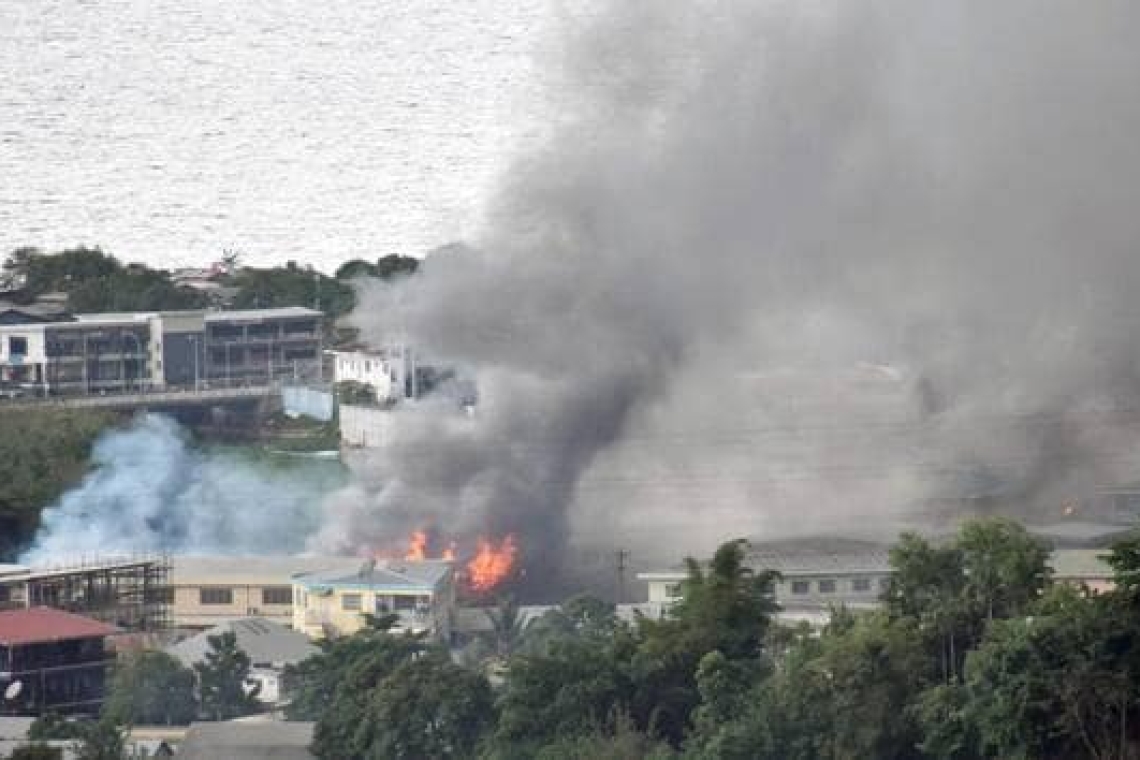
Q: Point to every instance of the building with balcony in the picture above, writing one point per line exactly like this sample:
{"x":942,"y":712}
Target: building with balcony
{"x":52,"y":661}
{"x":420,"y":593}
{"x":106,"y":353}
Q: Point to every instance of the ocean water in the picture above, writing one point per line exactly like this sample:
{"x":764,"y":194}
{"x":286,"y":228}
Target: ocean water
{"x":169,"y":131}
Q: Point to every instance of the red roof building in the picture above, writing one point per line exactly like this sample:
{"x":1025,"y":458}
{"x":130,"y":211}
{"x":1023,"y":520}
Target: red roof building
{"x":44,"y":625}
{"x":51,"y":660}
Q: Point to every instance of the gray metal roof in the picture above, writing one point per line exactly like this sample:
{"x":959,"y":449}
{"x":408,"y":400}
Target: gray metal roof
{"x":385,"y":575}
{"x":812,"y":555}
{"x":247,"y":741}
{"x":254,"y":314}
{"x":266,"y":643}
{"x":1080,"y":564}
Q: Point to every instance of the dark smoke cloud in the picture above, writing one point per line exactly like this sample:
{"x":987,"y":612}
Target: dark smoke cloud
{"x":788,"y":267}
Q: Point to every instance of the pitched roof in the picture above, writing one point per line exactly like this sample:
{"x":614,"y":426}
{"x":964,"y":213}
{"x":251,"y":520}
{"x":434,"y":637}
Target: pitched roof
{"x":265,"y":641}
{"x":385,"y":575}
{"x":44,"y":624}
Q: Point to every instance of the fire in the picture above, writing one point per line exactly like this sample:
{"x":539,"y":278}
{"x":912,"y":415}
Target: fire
{"x":491,"y":564}
{"x":417,"y":546}
{"x":449,"y":552}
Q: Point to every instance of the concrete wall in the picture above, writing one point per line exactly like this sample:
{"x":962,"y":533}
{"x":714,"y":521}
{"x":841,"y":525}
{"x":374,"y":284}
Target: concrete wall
{"x":371,"y":369}
{"x":188,"y":611}
{"x":366,"y":427}
{"x":310,"y":402}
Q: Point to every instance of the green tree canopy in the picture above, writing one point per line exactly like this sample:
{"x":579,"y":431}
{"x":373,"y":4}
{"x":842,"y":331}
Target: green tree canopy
{"x":151,"y":687}
{"x":224,"y":686}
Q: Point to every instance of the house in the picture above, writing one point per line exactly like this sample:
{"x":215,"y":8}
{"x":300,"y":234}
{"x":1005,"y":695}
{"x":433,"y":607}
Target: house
{"x":237,"y":740}
{"x":207,"y":590}
{"x":421,"y":593}
{"x":52,"y":661}
{"x":269,"y":645}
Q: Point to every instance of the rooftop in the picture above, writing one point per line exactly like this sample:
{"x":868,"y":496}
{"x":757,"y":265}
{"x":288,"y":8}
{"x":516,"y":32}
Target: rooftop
{"x":254,"y":314}
{"x":194,"y":570}
{"x":386,"y":575}
{"x":1079,"y":564}
{"x":266,"y":643}
{"x":247,"y":741}
{"x":44,"y":624}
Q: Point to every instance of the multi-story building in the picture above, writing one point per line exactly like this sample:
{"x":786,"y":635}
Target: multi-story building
{"x":52,"y":661}
{"x":815,"y":575}
{"x":206,"y":591}
{"x":821,"y":573}
{"x":420,"y":593}
{"x":100,"y":353}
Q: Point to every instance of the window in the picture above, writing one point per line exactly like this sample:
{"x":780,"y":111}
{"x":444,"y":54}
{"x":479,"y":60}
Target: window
{"x":216,"y":596}
{"x":827,"y":586}
{"x":800,"y":587}
{"x":404,"y":602}
{"x":672,"y":590}
{"x":351,"y":602}
{"x":884,"y":584}
{"x":277,"y":595}
{"x":861,"y":584}
{"x":18,"y":346}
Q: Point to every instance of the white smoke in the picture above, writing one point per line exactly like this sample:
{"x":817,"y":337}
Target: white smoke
{"x":151,"y":490}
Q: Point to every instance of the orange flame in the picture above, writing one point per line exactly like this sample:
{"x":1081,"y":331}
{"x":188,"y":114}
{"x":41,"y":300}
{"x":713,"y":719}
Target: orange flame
{"x":491,"y":564}
{"x":417,"y":546}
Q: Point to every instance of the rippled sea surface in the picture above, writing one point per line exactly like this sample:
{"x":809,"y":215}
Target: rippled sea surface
{"x":170,"y":130}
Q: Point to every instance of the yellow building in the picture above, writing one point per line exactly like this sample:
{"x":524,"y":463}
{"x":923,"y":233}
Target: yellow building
{"x":420,"y":593}
{"x":204,"y":591}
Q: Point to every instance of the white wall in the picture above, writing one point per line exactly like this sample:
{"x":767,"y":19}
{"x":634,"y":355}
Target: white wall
{"x":371,"y":369}
{"x":35,"y":337}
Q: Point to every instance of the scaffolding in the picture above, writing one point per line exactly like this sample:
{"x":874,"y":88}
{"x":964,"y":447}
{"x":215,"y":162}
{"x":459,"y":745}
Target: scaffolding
{"x":133,"y":594}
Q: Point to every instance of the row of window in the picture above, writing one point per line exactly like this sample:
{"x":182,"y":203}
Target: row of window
{"x":831,"y":586}
{"x":222,"y":595}
{"x":355,"y":603}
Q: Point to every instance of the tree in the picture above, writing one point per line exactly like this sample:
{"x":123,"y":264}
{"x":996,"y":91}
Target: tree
{"x":508,"y":628}
{"x":291,"y":286}
{"x":224,"y":685}
{"x":151,"y":688}
{"x":344,"y":669}
{"x":1006,"y":568}
{"x":102,"y":740}
{"x":43,"y":452}
{"x":728,"y":609}
{"x":426,"y":707}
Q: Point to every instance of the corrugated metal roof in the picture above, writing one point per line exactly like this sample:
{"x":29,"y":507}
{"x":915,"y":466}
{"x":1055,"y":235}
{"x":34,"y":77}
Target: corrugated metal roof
{"x":412,"y":575}
{"x":252,"y":314}
{"x":42,"y":624}
{"x":266,"y":643}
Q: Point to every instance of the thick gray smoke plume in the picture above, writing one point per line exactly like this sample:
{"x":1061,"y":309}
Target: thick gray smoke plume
{"x":788,"y":266}
{"x":151,"y":491}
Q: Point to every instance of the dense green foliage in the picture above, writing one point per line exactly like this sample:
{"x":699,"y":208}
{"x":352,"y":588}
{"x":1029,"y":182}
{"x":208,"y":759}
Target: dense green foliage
{"x":292,"y":286}
{"x":151,"y":688}
{"x":96,"y":282}
{"x":43,"y":452}
{"x":385,"y":268}
{"x":973,"y":654}
{"x":101,"y":740}
{"x":224,"y":687}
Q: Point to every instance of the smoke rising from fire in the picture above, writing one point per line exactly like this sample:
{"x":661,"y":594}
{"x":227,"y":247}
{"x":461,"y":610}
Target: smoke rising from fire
{"x":150,"y":490}
{"x":786,"y":266}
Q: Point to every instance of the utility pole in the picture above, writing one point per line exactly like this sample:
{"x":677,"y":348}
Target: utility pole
{"x":622,"y":556}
